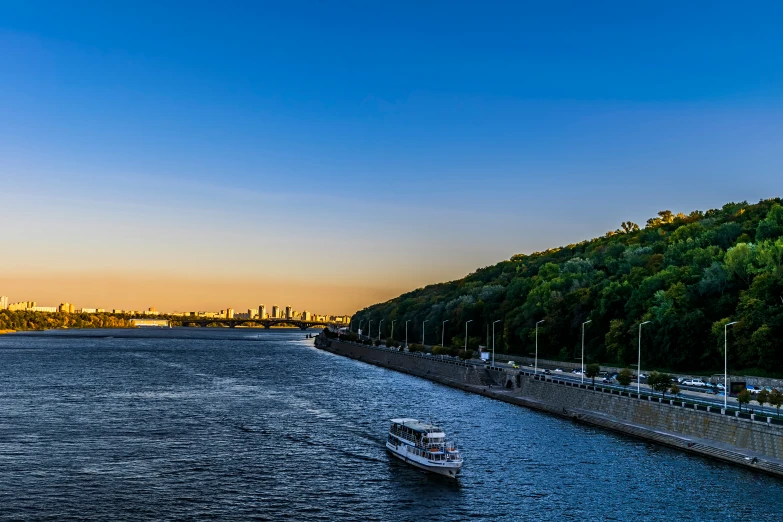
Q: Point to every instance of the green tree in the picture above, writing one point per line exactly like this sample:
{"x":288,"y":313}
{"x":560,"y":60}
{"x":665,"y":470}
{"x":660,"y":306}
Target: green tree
{"x":624,"y":377}
{"x":659,"y":382}
{"x":740,"y":261}
{"x":762,"y":397}
{"x":772,"y":225}
{"x":743,"y":397}
{"x":592,"y":371}
{"x":629,"y":227}
{"x":776,"y":399}
{"x":674,"y":389}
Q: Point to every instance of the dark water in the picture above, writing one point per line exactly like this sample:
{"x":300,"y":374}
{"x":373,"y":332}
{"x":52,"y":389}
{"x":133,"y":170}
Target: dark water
{"x":239,"y":425}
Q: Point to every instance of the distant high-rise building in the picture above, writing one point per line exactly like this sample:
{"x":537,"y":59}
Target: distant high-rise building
{"x":288,"y":314}
{"x":65,"y":308}
{"x":3,"y":302}
{"x":251,"y":313}
{"x":275,"y":311}
{"x":261,"y":312}
{"x":230,"y":313}
{"x":306,"y":315}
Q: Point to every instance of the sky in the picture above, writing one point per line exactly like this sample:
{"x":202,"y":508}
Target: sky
{"x":332,"y":154}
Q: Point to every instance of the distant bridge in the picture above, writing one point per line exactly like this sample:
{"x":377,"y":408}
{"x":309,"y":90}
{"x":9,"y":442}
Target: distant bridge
{"x":266,"y":323}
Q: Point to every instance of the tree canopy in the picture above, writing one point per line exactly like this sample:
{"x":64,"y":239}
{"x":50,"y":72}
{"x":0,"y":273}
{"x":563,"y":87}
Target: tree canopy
{"x":688,"y":275}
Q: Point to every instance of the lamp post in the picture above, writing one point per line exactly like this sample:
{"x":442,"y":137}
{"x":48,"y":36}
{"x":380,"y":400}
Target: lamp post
{"x":466,"y":333}
{"x":493,"y":341}
{"x":391,"y":334}
{"x":726,"y":365}
{"x":379,"y":329}
{"x":406,"y":332}
{"x":369,"y":330}
{"x":535,"y":370}
{"x":639,"y":362}
{"x":443,"y":332}
{"x":422,"y":332}
{"x":359,"y":330}
{"x":583,"y":349}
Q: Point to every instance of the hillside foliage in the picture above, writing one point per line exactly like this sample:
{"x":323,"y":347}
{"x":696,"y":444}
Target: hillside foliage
{"x":688,"y":275}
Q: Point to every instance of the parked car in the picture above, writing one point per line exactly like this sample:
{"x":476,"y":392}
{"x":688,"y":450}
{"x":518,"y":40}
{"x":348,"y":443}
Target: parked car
{"x":752,"y":389}
{"x":607,"y":380}
{"x":547,"y":372}
{"x":720,"y":386}
{"x":558,"y":369}
{"x":513,"y":364}
{"x":693,"y":382}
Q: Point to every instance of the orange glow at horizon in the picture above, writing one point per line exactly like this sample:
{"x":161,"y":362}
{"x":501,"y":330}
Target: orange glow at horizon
{"x":171,"y":293}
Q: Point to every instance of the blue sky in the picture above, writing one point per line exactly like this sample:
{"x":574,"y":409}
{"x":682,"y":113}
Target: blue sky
{"x":438,"y":136}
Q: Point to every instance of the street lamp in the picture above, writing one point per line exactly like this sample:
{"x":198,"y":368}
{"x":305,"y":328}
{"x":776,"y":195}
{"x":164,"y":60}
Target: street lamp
{"x":493,"y":341}
{"x":466,"y":333}
{"x":443,"y":332}
{"x":391,"y":334}
{"x":422,"y":331}
{"x":583,"y":348}
{"x":726,"y":365}
{"x":639,"y":364}
{"x":369,"y":330}
{"x":535,"y":370}
{"x":406,"y":332}
{"x":379,"y":329}
{"x":359,"y":330}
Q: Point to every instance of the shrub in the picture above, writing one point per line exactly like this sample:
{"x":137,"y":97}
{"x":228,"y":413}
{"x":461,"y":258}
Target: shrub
{"x":441,"y":350}
{"x":465,"y":354}
{"x":415,"y":347}
{"x":349,"y":336}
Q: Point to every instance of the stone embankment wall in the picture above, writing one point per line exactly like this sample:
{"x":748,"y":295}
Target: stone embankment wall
{"x":668,"y":415}
{"x":412,"y":363}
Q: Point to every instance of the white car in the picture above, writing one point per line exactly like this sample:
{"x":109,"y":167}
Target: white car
{"x":693,"y":382}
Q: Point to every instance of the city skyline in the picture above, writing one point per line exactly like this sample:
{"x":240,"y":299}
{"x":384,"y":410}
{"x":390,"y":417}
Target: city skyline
{"x":260,"y":311}
{"x":343,"y":155}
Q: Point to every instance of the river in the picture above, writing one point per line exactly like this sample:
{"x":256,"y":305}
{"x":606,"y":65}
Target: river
{"x":239,"y":424}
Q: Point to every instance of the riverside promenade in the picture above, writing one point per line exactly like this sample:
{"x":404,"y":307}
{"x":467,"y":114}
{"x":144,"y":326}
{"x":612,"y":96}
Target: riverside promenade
{"x":741,"y":439}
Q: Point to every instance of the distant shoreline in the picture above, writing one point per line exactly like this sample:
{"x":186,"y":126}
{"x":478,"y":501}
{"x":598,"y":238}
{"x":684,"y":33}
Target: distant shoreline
{"x":7,"y":331}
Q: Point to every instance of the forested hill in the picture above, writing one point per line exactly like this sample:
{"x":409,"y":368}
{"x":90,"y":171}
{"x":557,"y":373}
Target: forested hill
{"x":688,"y":275}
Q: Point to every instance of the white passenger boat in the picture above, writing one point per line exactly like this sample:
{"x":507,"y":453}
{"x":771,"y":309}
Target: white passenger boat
{"x":424,"y":446}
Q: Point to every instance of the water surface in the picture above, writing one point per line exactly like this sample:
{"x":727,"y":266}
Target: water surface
{"x":257,"y":424}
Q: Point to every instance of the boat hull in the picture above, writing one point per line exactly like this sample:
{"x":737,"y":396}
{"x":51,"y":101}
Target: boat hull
{"x":451,"y":470}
